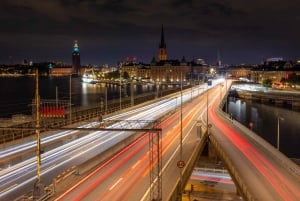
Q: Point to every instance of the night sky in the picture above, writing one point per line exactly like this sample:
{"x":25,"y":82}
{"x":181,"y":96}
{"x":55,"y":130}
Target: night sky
{"x":111,"y":30}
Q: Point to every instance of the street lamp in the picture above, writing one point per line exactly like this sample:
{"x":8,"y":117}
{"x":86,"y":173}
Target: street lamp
{"x":120,"y":88}
{"x":278,"y":130}
{"x":181,"y":136}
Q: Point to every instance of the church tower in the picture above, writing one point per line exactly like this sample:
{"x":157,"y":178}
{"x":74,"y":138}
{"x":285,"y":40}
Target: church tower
{"x":76,"y":59}
{"x":162,"y":51}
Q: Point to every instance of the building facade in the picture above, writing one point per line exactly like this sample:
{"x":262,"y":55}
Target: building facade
{"x":161,"y":71}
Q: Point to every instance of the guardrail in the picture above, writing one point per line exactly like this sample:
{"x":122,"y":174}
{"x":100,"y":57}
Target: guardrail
{"x":235,"y":174}
{"x":293,"y":167}
{"x":48,"y":193}
{"x":79,"y":114}
{"x":49,"y":190}
{"x":280,"y":157}
{"x":209,"y":169}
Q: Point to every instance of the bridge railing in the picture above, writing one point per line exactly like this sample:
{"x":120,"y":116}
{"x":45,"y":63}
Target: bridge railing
{"x":280,"y":157}
{"x":235,"y":174}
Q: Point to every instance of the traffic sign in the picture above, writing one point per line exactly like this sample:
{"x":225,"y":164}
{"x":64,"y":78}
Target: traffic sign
{"x":180,"y":164}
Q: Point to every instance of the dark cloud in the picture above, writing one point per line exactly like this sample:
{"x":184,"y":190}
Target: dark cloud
{"x":110,"y":29}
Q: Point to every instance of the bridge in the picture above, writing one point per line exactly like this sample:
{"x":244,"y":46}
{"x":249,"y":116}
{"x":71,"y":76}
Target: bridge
{"x":259,"y":171}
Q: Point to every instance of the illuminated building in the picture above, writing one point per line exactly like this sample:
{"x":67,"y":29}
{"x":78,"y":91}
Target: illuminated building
{"x":168,"y":71}
{"x":161,"y":71}
{"x":76,"y":67}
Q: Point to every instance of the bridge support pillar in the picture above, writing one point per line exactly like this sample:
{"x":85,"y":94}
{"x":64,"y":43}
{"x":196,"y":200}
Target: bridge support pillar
{"x":212,"y":154}
{"x":238,"y":191}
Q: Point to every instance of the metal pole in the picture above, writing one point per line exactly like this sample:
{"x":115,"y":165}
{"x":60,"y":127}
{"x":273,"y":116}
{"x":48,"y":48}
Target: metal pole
{"x":131,"y":94}
{"x":120,"y":91}
{"x":181,"y":185}
{"x":207,"y":109}
{"x":191,"y":91}
{"x":278,"y":130}
{"x":226,"y":93}
{"x":278,"y":133}
{"x":220,"y":92}
{"x":70,"y":103}
{"x":105,"y":99}
{"x":56,"y":96}
{"x":37,"y":115}
{"x":157,"y":89}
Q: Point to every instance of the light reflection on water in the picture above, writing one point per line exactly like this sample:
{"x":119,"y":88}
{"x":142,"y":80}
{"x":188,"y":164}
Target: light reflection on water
{"x":17,"y":98}
{"x":264,"y":119}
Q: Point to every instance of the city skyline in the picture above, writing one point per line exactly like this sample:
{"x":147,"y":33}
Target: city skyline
{"x":109,"y":31}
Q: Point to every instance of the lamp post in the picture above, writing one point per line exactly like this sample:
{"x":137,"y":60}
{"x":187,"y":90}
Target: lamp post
{"x":181,"y":136}
{"x":70,"y":98}
{"x":37,"y":115}
{"x":120,"y":88}
{"x":207,"y":108}
{"x":278,"y":130}
{"x":157,"y":89}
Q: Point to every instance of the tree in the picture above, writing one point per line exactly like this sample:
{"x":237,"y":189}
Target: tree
{"x":294,"y":79}
{"x":113,"y":75}
{"x":126,"y":75}
{"x":267,"y":83}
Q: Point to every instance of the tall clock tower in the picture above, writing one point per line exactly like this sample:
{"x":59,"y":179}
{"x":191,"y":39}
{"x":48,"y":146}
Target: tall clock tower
{"x":76,"y":58}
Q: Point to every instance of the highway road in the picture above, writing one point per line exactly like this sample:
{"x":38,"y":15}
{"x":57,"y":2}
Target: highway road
{"x":126,"y":175}
{"x":266,"y":173}
{"x":19,"y":178}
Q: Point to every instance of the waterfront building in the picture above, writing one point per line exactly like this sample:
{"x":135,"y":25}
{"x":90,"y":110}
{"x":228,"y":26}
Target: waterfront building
{"x":169,"y":71}
{"x":61,"y":70}
{"x":161,"y":70}
{"x":131,"y":69}
{"x":144,"y":72}
{"x":274,"y":75}
{"x":240,"y":71}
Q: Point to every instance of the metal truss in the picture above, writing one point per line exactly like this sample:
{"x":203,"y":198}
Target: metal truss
{"x":155,"y":144}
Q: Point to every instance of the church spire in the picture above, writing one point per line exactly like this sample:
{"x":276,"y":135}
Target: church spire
{"x":162,"y":38}
{"x":162,"y":51}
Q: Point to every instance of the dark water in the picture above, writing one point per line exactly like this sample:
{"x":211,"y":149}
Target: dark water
{"x":264,"y":119}
{"x":17,"y":93}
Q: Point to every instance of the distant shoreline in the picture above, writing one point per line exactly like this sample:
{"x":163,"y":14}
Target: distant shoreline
{"x":32,"y":75}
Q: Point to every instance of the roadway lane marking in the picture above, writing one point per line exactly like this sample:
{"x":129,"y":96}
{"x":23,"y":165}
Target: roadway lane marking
{"x":7,"y":189}
{"x":172,"y":157}
{"x":50,"y":167}
{"x":112,"y":187}
{"x":135,"y":164}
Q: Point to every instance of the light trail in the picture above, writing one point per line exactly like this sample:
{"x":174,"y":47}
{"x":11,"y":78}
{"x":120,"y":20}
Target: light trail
{"x":71,"y":153}
{"x":132,"y":178}
{"x":276,"y":181}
